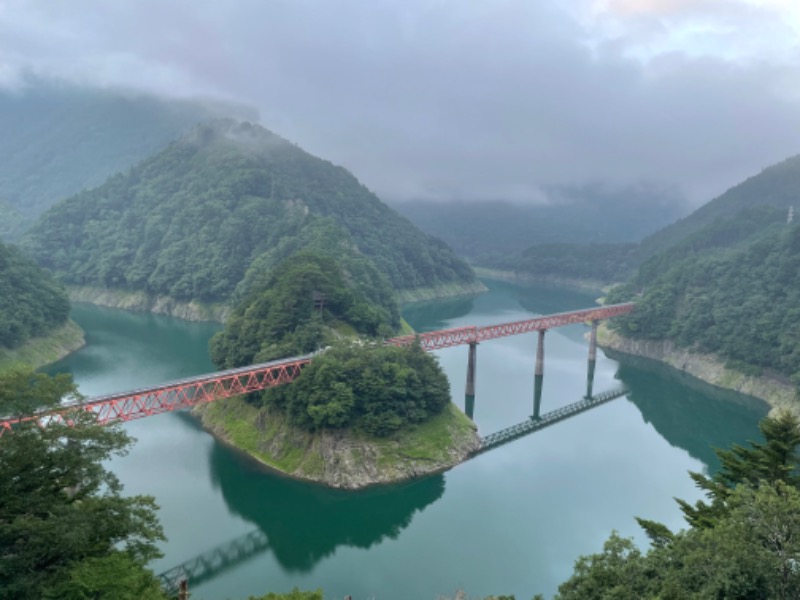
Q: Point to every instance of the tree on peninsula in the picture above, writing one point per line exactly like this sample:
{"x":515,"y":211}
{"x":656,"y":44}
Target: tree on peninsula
{"x":355,"y":383}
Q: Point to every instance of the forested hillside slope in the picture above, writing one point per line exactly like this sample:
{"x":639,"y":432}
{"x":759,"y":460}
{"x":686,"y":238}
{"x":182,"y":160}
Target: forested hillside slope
{"x":59,"y":139}
{"x":218,"y":209}
{"x":732,"y":288}
{"x":590,"y":214}
{"x":776,"y":186}
{"x":31,"y":302}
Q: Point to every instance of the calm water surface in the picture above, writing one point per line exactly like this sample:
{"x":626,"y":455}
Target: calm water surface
{"x":511,"y":521}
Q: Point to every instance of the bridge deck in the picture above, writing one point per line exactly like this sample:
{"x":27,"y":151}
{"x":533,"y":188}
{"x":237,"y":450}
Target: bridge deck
{"x":173,"y":395}
{"x":446,"y":338}
{"x":184,"y":393}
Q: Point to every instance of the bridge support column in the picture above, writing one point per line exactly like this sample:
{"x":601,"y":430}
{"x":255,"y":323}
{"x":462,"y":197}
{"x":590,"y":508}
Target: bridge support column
{"x":469,"y":393}
{"x":538,"y":378}
{"x":592,"y":360}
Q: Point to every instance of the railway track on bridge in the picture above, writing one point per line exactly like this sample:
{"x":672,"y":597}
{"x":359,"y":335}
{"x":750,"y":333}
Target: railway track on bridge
{"x":509,"y":434}
{"x":190,"y":391}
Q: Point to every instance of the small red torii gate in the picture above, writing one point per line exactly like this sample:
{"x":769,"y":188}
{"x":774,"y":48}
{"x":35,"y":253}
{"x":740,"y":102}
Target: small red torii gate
{"x":185,"y":393}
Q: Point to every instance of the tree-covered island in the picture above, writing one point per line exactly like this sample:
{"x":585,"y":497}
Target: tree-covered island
{"x":360,"y":413}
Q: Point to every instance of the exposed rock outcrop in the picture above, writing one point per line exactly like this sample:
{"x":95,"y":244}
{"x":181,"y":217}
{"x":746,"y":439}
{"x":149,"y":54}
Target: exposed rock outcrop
{"x":342,"y":458}
{"x":144,"y":302}
{"x":772,"y":388}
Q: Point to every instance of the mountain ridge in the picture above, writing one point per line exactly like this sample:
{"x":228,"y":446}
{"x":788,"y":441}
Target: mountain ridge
{"x":210,"y":215}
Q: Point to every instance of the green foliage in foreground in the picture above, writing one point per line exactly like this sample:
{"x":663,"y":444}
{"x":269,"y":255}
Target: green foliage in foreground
{"x":31,"y":302}
{"x":374,"y":389}
{"x":730,"y":289}
{"x":66,"y":531}
{"x":280,"y":318}
{"x":743,"y":544}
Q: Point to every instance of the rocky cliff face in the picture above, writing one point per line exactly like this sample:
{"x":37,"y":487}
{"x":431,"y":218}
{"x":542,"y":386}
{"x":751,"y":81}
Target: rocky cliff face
{"x":341,"y":458}
{"x":775,"y":390}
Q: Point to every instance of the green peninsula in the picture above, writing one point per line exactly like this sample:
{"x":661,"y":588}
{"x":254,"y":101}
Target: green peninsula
{"x":361,"y":413}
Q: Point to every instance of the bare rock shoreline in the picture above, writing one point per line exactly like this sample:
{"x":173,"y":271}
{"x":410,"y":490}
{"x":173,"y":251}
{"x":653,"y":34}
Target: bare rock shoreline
{"x":341,"y":458}
{"x":777,"y":391}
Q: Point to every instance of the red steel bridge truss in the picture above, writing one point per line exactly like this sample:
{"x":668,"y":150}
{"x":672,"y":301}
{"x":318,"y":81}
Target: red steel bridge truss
{"x":446,"y":338}
{"x":185,"y":393}
{"x":173,"y":395}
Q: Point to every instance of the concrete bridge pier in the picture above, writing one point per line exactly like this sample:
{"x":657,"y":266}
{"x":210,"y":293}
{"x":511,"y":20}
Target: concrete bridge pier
{"x":592,"y":360}
{"x":538,"y":376}
{"x":469,"y":394}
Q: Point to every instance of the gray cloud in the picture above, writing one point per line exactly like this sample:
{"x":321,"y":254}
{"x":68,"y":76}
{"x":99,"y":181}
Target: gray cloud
{"x":448,"y":99}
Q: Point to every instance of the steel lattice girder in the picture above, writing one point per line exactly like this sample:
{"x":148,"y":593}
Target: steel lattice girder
{"x":446,"y":338}
{"x":167,"y":397}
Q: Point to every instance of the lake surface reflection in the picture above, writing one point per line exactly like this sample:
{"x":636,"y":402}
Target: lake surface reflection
{"x":510,"y":521}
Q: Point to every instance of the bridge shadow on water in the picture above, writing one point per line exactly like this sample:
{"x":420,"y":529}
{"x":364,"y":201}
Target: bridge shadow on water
{"x":298,"y":522}
{"x":534,"y":424}
{"x":302,"y":523}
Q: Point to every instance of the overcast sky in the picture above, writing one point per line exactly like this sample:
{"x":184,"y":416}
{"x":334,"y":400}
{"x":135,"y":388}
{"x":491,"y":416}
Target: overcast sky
{"x":466,"y":99}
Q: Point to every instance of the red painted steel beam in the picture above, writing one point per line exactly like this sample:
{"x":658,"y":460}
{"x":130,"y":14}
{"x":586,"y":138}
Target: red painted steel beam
{"x":446,"y":338}
{"x":127,"y":406}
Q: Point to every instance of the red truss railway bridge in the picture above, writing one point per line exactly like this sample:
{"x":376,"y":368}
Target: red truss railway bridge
{"x":185,"y":393}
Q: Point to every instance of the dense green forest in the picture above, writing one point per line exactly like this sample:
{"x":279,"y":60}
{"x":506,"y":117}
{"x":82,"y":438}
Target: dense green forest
{"x":59,"y":139}
{"x":742,"y":541}
{"x":613,"y":262}
{"x":221,"y":207}
{"x":601,"y":263}
{"x":775,"y":186}
{"x":309,"y":302}
{"x":66,"y":530}
{"x":31,"y":302}
{"x":375,"y":389}
{"x":730,"y":288}
{"x":596,"y":214}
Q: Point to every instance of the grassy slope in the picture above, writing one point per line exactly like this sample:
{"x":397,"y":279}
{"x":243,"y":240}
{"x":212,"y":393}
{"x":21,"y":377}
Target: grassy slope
{"x":252,"y":431}
{"x":41,"y":351}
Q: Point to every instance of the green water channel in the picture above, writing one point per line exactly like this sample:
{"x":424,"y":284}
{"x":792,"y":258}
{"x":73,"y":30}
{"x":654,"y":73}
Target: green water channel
{"x":510,"y":521}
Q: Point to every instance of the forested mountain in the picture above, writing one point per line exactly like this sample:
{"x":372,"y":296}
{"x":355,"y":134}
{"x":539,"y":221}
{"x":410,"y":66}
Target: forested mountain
{"x":31,"y":302}
{"x":218,"y":209}
{"x":309,"y":302}
{"x":592,"y":263}
{"x":589,"y":214}
{"x":298,"y":308}
{"x":58,"y":139}
{"x":731,"y":288}
{"x":776,"y":186}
